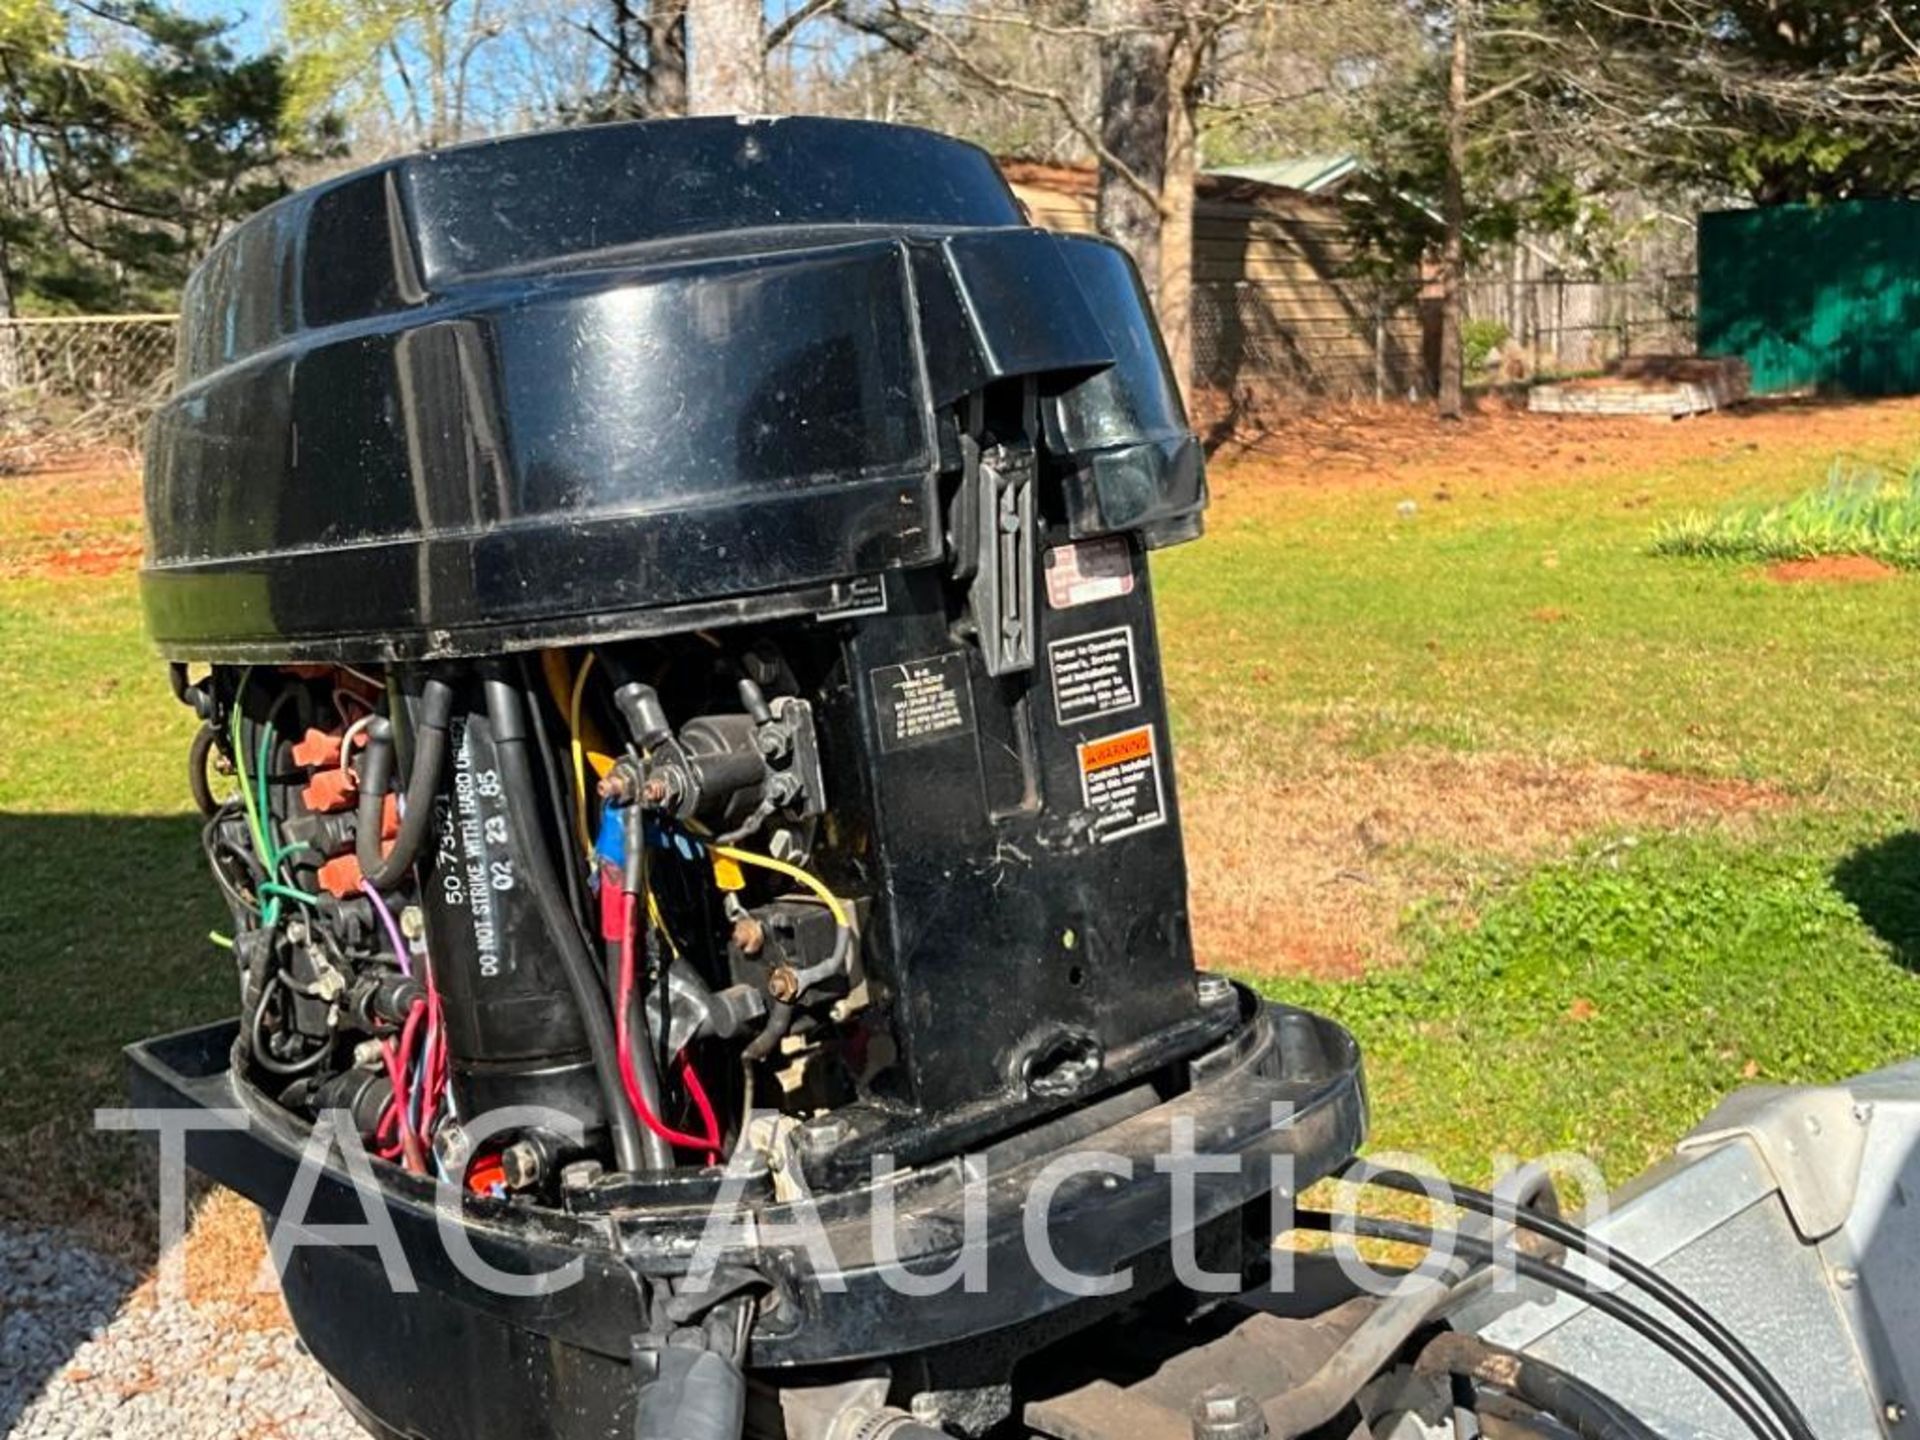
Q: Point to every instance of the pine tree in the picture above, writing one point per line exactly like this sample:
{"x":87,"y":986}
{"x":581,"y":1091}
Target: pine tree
{"x":136,"y":138}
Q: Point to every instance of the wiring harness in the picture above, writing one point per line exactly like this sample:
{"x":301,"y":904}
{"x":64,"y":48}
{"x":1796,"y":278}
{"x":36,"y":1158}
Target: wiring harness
{"x":452,"y":889}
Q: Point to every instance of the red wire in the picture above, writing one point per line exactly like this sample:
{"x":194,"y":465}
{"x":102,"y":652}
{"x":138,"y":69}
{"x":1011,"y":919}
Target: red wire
{"x":396,"y":1063}
{"x":690,"y":1077}
{"x":433,"y":1077}
{"x":623,"y":1002}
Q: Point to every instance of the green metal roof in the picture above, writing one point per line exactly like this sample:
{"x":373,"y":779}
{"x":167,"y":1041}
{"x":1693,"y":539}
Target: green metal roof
{"x":1311,"y":173}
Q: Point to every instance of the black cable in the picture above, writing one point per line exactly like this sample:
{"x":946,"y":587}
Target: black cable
{"x":506,"y":710}
{"x":255,"y":1043}
{"x":633,"y":884}
{"x":213,"y":845}
{"x":204,"y":741}
{"x":560,"y":797}
{"x":1561,"y":1232}
{"x":1544,"y":1388}
{"x":1650,"y":1328}
{"x":376,"y":770}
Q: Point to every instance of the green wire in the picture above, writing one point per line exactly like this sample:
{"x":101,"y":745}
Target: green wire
{"x":225,"y":942}
{"x":270,"y":912}
{"x":240,"y":765}
{"x":291,"y":892}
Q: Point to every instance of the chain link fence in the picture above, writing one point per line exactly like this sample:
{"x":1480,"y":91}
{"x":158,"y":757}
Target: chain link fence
{"x":79,"y":381}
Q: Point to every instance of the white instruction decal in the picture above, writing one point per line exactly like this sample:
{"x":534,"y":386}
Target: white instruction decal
{"x":862,"y":595}
{"x":1093,"y":675}
{"x":922,"y":701}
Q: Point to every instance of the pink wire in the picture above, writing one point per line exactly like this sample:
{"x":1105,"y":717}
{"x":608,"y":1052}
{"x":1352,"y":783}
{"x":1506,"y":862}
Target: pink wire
{"x":393,"y":928}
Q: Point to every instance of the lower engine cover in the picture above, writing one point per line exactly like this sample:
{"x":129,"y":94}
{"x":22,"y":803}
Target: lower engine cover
{"x":1282,"y":1094}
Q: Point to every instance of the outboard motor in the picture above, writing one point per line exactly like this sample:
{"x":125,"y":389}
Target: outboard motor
{"x":685,"y":751}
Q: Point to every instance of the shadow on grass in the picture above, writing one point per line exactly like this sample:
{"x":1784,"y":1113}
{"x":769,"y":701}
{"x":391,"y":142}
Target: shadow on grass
{"x":1882,"y":882}
{"x":103,"y":941}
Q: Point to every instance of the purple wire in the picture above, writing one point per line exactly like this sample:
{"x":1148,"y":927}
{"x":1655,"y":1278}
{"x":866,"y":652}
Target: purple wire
{"x":393,"y":929}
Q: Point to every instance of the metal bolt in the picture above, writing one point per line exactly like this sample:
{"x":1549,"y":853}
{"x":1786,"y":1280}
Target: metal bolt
{"x":521,"y":1163}
{"x":749,"y":935}
{"x":825,"y":1133}
{"x":616,"y":786}
{"x":582,"y":1175}
{"x":1221,"y":1412}
{"x":784,"y":984}
{"x":1895,"y":1412}
{"x":1846,"y":1279}
{"x":413,"y":924}
{"x":655,"y":791}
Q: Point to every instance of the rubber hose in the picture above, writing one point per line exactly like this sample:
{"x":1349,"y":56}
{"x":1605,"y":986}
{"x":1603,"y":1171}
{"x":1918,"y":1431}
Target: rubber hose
{"x":376,"y":770}
{"x":204,"y":740}
{"x":1561,"y":1232}
{"x":1546,"y":1388}
{"x":506,"y":709}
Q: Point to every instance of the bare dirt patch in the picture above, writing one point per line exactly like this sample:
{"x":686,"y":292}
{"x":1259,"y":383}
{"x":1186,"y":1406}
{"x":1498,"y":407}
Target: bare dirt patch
{"x":79,"y":517}
{"x":1313,"y":874}
{"x":1831,"y":569}
{"x":1500,"y":446}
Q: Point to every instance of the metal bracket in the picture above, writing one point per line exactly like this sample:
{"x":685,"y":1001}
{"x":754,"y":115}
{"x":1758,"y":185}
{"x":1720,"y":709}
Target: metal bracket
{"x":1811,"y":1139}
{"x":1002,"y":481}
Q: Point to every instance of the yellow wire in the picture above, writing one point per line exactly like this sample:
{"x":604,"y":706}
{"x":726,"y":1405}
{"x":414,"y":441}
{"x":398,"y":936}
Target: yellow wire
{"x":660,"y":923}
{"x":580,"y":753}
{"x":792,"y":872}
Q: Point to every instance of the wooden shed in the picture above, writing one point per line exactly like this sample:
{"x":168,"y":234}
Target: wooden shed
{"x":1278,"y":310}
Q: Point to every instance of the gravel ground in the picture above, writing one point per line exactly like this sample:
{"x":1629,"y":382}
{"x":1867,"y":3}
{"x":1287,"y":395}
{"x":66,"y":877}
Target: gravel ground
{"x":84,"y":1352}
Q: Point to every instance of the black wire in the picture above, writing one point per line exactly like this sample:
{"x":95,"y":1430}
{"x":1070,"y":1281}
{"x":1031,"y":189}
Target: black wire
{"x":1650,"y":1328}
{"x":1562,"y":1232}
{"x":214,"y":845}
{"x":262,"y":1057}
{"x":205,"y":740}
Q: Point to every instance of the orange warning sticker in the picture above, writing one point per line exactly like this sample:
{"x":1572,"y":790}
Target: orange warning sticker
{"x":1131,"y":745}
{"x":1120,"y":781}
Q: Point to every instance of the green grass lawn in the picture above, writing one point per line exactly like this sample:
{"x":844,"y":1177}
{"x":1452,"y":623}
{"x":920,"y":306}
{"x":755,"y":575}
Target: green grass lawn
{"x":1604,"y":1002}
{"x":105,"y":906}
{"x":1600,"y":1002}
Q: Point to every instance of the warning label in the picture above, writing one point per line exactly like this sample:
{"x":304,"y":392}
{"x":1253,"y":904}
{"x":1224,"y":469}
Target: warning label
{"x":1093,"y":675}
{"x":1120,"y":778}
{"x":922,"y":701}
{"x":1088,"y":571}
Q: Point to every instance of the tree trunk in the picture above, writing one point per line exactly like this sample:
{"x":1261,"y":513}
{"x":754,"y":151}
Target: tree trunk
{"x":1134,"y":96}
{"x":666,"y":87}
{"x":1175,"y":295}
{"x":1453,"y":257}
{"x":9,"y":336}
{"x":726,"y":73}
